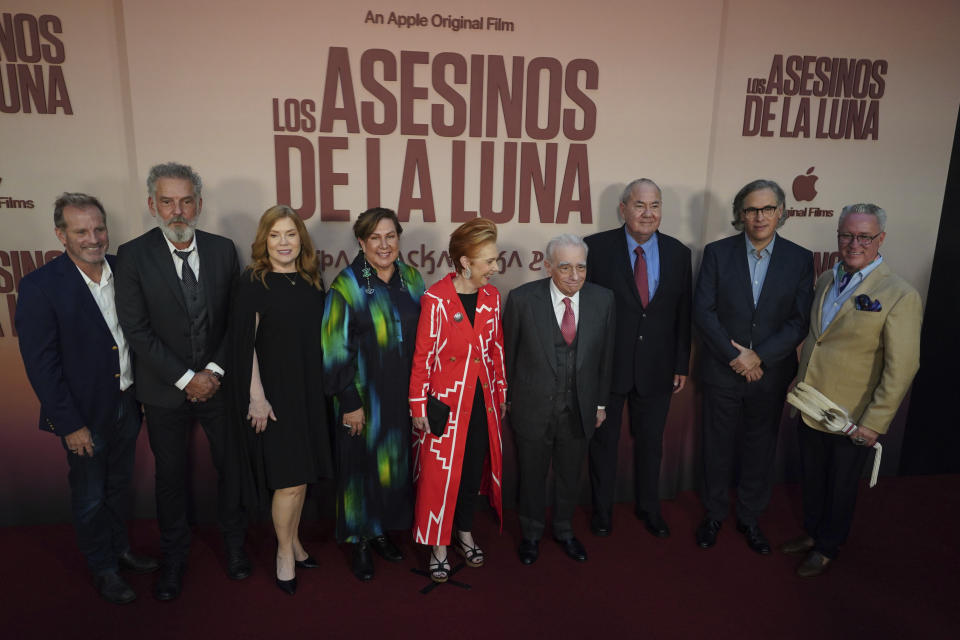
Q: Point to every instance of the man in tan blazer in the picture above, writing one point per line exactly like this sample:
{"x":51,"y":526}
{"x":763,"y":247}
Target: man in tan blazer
{"x":862,"y":352}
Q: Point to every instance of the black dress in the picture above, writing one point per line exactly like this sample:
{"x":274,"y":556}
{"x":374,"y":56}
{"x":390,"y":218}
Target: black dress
{"x":295,"y":449}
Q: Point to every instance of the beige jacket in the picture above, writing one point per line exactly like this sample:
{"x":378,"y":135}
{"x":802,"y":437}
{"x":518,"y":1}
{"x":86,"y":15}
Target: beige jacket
{"x":865,"y":360}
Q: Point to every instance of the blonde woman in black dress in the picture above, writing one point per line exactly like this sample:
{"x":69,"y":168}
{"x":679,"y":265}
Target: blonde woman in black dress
{"x":278,"y":302}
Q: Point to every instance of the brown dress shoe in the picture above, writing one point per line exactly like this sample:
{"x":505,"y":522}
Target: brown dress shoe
{"x":798,"y":545}
{"x":813,"y":565}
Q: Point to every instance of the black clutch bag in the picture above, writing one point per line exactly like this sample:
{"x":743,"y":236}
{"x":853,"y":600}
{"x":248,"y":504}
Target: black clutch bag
{"x":437,"y":415}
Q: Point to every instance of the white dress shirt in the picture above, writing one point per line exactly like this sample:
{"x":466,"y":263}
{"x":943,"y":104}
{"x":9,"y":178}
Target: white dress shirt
{"x":103,"y":294}
{"x":558,"y":307}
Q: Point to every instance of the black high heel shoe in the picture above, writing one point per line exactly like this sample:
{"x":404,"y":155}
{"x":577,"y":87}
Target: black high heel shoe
{"x":289,"y":587}
{"x":306,"y":563}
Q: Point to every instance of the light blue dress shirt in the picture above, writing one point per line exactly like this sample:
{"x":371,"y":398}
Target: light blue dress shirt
{"x":651,"y":252}
{"x":834,"y":299}
{"x":758,"y":266}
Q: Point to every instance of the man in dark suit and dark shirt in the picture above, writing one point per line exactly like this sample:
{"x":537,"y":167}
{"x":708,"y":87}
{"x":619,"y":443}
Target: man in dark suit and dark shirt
{"x":80,"y":368}
{"x":558,"y":343}
{"x":649,"y":273}
{"x":173,"y":297}
{"x":751,"y":307}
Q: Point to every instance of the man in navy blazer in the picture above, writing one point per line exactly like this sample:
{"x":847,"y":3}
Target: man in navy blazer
{"x":173,"y":299}
{"x":79,"y":366}
{"x":649,"y":273}
{"x":751,"y":307}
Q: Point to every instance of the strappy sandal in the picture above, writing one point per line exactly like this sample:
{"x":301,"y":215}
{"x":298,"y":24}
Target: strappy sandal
{"x":473,"y":555}
{"x":439,"y":569}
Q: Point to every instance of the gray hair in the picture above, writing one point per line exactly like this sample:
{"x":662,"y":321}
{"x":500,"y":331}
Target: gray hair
{"x":564,"y":240}
{"x":758,"y":185}
{"x":862,"y":207}
{"x":173,"y":170}
{"x":72,"y":199}
{"x":636,"y":183}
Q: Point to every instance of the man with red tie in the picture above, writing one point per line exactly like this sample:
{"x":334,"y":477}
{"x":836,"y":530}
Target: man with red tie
{"x":558,"y":339}
{"x":649,"y":274}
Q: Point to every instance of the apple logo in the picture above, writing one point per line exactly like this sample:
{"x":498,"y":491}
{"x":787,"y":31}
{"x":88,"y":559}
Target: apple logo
{"x":803,"y":186}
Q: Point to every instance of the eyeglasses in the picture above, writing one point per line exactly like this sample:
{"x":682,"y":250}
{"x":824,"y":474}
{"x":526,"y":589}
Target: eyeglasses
{"x":754,"y":212}
{"x":862,"y":239}
{"x":566,"y":269}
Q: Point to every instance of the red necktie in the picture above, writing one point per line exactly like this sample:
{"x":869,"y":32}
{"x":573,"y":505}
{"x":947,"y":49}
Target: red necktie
{"x":640,"y":276}
{"x":568,"y":325}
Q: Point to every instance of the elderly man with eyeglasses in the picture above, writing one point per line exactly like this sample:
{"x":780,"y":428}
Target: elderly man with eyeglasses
{"x":862,"y":352}
{"x":752,"y":307}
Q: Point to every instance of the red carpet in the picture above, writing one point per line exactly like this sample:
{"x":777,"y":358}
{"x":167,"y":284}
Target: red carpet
{"x":897,"y":578}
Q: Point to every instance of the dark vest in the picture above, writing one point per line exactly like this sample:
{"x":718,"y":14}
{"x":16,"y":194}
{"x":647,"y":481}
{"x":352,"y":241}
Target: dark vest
{"x":565,"y":386}
{"x":199,"y":325}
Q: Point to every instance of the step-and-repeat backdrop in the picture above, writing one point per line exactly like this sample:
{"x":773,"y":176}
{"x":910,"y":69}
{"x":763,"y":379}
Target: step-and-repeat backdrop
{"x":533,"y":114}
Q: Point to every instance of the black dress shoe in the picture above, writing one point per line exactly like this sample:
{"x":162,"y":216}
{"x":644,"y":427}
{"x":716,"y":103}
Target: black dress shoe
{"x":138,"y":564}
{"x":289,"y":587}
{"x":755,"y":538}
{"x":362,"y":564}
{"x":573,"y":548}
{"x":306,"y":563}
{"x":169,"y":582}
{"x":529,"y":550}
{"x":654,"y":523}
{"x":238,"y":564}
{"x":386,"y":549}
{"x":707,"y":533}
{"x":113,"y":588}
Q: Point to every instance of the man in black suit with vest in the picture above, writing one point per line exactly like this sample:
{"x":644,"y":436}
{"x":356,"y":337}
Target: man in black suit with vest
{"x":80,"y":368}
{"x":752,"y":307}
{"x":649,"y":273}
{"x":558,"y":343}
{"x":173,"y":297}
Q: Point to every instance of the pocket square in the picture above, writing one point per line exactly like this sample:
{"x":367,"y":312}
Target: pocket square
{"x":864,"y":303}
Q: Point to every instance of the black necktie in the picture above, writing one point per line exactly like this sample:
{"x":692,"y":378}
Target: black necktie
{"x":186,"y":273}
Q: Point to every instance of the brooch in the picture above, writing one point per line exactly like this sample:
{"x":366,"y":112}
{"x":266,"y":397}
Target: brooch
{"x":457,"y":317}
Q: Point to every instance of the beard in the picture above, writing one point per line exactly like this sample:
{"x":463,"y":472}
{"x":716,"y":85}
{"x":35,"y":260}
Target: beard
{"x":181,"y":234}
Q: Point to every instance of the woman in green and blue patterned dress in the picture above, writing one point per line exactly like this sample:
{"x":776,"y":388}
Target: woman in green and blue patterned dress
{"x":369,"y":333}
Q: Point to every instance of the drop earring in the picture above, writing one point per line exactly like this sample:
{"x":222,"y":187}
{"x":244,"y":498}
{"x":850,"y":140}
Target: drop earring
{"x":366,"y":272}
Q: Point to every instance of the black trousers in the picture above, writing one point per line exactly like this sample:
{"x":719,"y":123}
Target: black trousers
{"x":830,"y":467}
{"x":563,"y":443}
{"x":99,"y":488}
{"x":750,"y":413}
{"x":648,"y":417}
{"x":169,"y":431}
{"x":471,"y":472}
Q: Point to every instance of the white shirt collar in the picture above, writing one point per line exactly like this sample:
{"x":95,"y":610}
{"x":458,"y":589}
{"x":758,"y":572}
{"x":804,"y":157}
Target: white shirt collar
{"x":172,"y":248}
{"x":557,"y":296}
{"x":106,"y":275}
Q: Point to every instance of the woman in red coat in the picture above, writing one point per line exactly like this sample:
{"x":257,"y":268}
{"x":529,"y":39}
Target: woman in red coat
{"x":459,"y":361}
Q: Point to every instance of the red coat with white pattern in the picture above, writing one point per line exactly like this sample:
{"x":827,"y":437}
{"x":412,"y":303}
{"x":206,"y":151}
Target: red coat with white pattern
{"x":450,"y":359}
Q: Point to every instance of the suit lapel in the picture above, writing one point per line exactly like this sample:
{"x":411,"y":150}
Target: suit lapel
{"x":774,"y":271}
{"x":818,"y":298}
{"x":544,"y":318}
{"x":666,"y":274}
{"x":87,"y":306}
{"x":207,"y":275}
{"x":870,"y":284}
{"x":741,"y":269}
{"x":589,"y":322}
{"x":159,"y":255}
